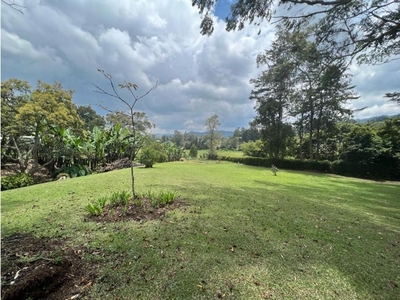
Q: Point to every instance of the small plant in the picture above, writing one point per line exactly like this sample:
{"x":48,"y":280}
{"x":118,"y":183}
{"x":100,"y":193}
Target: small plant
{"x":274,"y":170}
{"x":137,"y":200}
{"x":125,"y":196}
{"x":120,"y":198}
{"x":167,"y":198}
{"x":151,"y":195}
{"x":102,"y":202}
{"x":94,"y":209}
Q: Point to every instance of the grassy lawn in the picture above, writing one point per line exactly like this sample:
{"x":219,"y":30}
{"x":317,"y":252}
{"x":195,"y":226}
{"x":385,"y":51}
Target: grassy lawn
{"x":230,"y":153}
{"x":245,"y":233}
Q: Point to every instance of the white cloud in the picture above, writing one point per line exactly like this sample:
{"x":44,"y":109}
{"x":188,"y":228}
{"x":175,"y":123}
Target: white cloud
{"x":147,"y":41}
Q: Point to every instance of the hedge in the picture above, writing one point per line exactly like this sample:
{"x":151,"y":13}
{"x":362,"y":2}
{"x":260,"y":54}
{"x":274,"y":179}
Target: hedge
{"x":382,"y":170}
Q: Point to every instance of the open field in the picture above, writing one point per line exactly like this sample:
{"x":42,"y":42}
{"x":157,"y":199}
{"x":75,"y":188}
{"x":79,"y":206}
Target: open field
{"x":244,"y":233}
{"x":230,"y":153}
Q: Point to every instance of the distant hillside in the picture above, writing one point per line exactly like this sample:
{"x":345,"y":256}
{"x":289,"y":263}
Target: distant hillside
{"x":375,"y":119}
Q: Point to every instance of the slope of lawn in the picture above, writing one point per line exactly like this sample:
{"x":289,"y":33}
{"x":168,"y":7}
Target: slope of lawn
{"x":245,"y":234}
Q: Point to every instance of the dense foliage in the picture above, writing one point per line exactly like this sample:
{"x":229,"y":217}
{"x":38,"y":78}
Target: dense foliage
{"x":15,"y":181}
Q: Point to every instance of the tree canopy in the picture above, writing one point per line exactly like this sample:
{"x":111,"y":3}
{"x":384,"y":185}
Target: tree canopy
{"x":363,"y":28}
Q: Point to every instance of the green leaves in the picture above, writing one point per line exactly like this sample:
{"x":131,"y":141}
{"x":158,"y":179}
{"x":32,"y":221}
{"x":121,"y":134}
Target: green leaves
{"x":73,"y":171}
{"x":15,"y":181}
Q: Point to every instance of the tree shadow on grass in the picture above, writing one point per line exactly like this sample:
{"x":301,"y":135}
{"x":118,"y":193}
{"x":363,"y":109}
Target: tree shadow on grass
{"x":325,"y":236}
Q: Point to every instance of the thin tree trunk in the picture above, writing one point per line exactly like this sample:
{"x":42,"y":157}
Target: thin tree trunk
{"x":132,"y":174}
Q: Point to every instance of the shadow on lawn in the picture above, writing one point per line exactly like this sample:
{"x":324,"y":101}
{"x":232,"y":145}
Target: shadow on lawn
{"x":326,"y":236}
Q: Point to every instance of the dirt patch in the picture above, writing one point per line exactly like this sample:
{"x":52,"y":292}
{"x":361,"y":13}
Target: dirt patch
{"x":117,"y":165}
{"x":40,"y":268}
{"x":141,"y":214}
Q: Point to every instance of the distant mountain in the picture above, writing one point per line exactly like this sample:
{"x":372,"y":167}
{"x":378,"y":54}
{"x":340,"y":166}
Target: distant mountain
{"x":375,"y":119}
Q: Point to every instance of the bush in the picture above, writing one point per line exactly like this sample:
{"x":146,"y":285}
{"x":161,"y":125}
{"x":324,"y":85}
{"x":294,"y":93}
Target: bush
{"x":253,"y":149}
{"x":15,"y":181}
{"x":371,"y":171}
{"x":73,"y":171}
{"x":149,"y":157}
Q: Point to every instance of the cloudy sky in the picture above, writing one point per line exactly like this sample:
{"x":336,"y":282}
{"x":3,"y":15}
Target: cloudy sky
{"x":149,"y":41}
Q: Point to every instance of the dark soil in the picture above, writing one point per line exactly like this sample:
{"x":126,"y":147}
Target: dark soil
{"x":141,"y":214}
{"x":40,"y":268}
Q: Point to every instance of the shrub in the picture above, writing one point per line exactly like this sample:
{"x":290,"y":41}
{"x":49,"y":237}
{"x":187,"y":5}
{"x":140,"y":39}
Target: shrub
{"x":73,"y":171}
{"x":364,"y":170}
{"x":254,"y":149}
{"x":149,"y":157}
{"x":15,"y":181}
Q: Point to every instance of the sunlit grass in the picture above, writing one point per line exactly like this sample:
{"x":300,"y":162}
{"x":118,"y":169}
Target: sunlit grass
{"x":245,"y":233}
{"x":230,"y":153}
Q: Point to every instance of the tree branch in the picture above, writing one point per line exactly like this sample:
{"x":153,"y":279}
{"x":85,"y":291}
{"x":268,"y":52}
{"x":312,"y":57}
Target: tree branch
{"x":14,"y":6}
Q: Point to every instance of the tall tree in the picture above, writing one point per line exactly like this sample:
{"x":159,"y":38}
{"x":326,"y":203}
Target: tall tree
{"x":135,"y":139}
{"x":90,"y":117}
{"x":301,"y":80}
{"x":142,"y":123}
{"x":212,"y":124}
{"x":272,"y":93}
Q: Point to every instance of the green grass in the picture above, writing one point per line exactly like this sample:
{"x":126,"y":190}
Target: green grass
{"x":246,"y":234}
{"x":230,"y":153}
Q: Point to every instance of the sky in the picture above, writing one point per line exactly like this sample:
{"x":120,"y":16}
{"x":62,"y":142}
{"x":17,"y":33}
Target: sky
{"x":149,"y":41}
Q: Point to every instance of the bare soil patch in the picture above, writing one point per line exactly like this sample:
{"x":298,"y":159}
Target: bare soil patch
{"x":41,"y":268}
{"x":141,"y":214}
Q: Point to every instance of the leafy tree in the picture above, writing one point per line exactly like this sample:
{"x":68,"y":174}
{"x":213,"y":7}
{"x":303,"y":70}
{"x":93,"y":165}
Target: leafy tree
{"x":177,"y":138}
{"x":304,"y":81}
{"x":272,"y":93}
{"x":174,"y":153}
{"x":390,"y":133}
{"x":212,"y":124}
{"x":247,"y":134}
{"x":193,"y":151}
{"x":153,"y":151}
{"x":34,"y":116}
{"x":254,"y":149}
{"x":368,"y":28}
{"x":363,"y":145}
{"x":135,"y":139}
{"x":141,"y":122}
{"x":96,"y":146}
{"x":90,"y":117}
